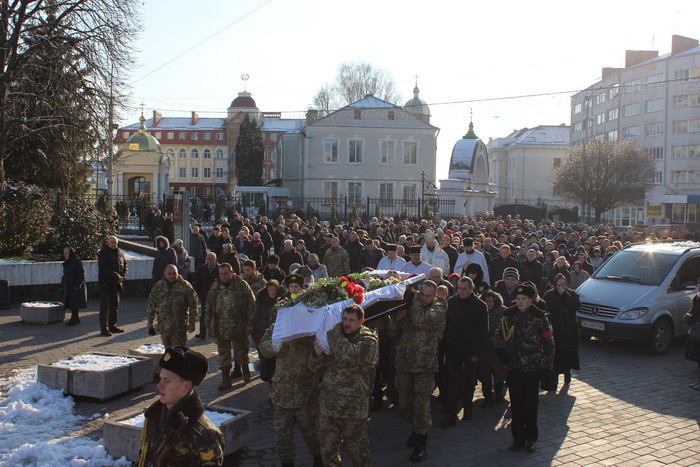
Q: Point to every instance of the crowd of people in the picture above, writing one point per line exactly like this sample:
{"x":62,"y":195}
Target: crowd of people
{"x":498,"y":306}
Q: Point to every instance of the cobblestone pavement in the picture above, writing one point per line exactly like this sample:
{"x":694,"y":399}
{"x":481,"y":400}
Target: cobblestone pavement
{"x":624,"y":407}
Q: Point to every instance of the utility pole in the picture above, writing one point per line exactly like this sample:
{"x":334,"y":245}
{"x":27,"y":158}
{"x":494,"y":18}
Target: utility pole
{"x":110,"y":143}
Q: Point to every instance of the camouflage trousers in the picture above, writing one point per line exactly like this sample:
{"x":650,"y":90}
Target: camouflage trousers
{"x":284,"y":421}
{"x":415,"y":390}
{"x":175,"y":339}
{"x":240,"y":349}
{"x":351,"y":430}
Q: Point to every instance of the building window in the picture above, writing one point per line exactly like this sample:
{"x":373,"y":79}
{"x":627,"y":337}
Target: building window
{"x":686,"y":126}
{"x":577,"y":108}
{"x":600,"y":118}
{"x":390,"y":114}
{"x":410,"y":192}
{"x":655,"y":80}
{"x":410,"y":152}
{"x":183,"y":189}
{"x":125,"y":134}
{"x":195,"y":172}
{"x":183,"y":172}
{"x":578,"y":126}
{"x":630,"y":132}
{"x":386,"y":152}
{"x":206,"y":172}
{"x":613,"y":91}
{"x":612,"y":114}
{"x":171,"y":135}
{"x":686,"y":100}
{"x":631,"y":110}
{"x":219,"y":153}
{"x":182,"y":154}
{"x":686,"y":152}
{"x":273,"y":137}
{"x":386,"y":191}
{"x":656,"y":153}
{"x":655,"y":105}
{"x":207,"y":136}
{"x":207,"y":191}
{"x":195,"y":136}
{"x":687,"y":74}
{"x":194,"y":154}
{"x":599,"y":98}
{"x":330,"y":190}
{"x":358,"y":114}
{"x":182,"y":135}
{"x":631,"y":86}
{"x":656,"y":177}
{"x":193,"y":191}
{"x":355,"y":150}
{"x":170,"y":153}
{"x":159,"y":135}
{"x":330,"y":151}
{"x":686,"y":176}
{"x":355,"y":192}
{"x":207,"y":153}
{"x":219,"y":136}
{"x":219,"y":171}
{"x":557,"y":162}
{"x":654,"y":129}
{"x":612,"y":135}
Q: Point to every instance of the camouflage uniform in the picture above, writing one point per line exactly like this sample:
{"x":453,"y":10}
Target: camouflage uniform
{"x":230,"y":309}
{"x":345,"y":389}
{"x":256,"y":283}
{"x":417,"y":335}
{"x":198,"y":443}
{"x":169,"y":303}
{"x":525,"y":344}
{"x":337,"y":261}
{"x":294,"y":392}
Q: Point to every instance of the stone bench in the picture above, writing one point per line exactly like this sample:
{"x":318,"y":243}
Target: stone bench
{"x":42,"y":312}
{"x":97,"y":384}
{"x":122,"y":439}
{"x":153,"y":357}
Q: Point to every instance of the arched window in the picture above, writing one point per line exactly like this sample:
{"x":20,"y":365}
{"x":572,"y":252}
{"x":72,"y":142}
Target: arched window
{"x":194,"y":154}
{"x":219,"y":153}
{"x":182,"y":154}
{"x":170,"y":153}
{"x":207,"y":153}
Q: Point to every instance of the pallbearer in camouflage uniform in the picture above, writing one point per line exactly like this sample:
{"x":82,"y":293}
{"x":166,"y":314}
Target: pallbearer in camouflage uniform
{"x":175,"y":430}
{"x":173,"y":302}
{"x":525,"y":344}
{"x":418,"y":331}
{"x":229,"y":318}
{"x":346,"y":387}
{"x":294,"y":392}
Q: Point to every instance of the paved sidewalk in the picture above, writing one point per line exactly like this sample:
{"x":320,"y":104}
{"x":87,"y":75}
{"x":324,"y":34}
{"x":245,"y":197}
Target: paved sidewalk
{"x":624,"y":407}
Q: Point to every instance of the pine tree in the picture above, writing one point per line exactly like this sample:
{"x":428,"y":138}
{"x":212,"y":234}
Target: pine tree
{"x":249,"y":153}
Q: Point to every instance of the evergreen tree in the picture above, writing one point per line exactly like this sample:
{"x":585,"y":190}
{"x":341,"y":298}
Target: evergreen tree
{"x":249,"y":153}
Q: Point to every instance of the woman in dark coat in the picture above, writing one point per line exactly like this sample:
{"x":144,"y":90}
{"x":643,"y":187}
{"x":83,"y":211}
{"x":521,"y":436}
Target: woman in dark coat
{"x":562,"y":303}
{"x":264,"y":300}
{"x":164,"y":255}
{"x":73,"y":282}
{"x":476,"y":273}
{"x":692,"y":349}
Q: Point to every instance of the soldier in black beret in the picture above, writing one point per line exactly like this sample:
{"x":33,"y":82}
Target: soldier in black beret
{"x":525,"y":345}
{"x":175,"y":430}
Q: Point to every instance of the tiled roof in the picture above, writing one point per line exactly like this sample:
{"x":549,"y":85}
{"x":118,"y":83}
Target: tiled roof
{"x":180,"y":123}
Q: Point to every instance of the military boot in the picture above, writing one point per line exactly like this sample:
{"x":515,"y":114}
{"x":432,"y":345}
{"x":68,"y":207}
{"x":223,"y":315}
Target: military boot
{"x":225,"y":378}
{"x":420,"y":451}
{"x":236,"y":373}
{"x":246,"y":372}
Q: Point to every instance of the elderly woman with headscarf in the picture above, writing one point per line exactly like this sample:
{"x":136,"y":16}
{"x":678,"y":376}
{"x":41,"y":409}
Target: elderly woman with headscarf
{"x":73,"y":282}
{"x":317,"y":269}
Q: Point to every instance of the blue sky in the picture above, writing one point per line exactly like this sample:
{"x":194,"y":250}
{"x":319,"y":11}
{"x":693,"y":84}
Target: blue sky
{"x":460,"y":50}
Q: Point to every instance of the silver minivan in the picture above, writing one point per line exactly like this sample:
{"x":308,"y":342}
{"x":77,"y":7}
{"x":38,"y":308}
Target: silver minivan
{"x":641,"y":294}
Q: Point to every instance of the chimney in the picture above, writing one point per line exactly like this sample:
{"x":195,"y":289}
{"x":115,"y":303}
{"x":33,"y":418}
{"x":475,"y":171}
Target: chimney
{"x":681,"y":44}
{"x":157,"y":116}
{"x":195,"y":117}
{"x":311,"y":116}
{"x":609,"y":71}
{"x":633,"y":57}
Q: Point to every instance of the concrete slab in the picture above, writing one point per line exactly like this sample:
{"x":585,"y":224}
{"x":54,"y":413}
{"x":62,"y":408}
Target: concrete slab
{"x":42,"y":312}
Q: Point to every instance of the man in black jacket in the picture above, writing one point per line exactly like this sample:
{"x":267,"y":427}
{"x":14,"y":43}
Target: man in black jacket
{"x":205,"y":276}
{"x":112,"y":269}
{"x":530,"y":269}
{"x":500,"y":263}
{"x":353,"y":247}
{"x":466,"y":331}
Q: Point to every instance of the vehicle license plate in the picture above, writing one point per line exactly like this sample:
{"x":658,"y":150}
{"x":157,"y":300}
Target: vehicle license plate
{"x":592,"y":325}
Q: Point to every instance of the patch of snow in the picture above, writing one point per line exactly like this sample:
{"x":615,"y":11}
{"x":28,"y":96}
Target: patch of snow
{"x":217,"y":418}
{"x":686,"y":244}
{"x":139,"y":237}
{"x":41,"y":304}
{"x":35,"y":424}
{"x":94,"y":362}
{"x":132,"y":255}
{"x":16,"y":261}
{"x":151,"y":349}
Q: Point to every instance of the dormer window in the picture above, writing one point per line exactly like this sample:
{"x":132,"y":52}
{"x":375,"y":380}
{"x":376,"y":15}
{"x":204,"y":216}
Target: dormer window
{"x":358,"y":114}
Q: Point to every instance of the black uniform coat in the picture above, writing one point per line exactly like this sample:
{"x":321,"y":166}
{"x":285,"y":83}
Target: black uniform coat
{"x":466,"y":327}
{"x":562,"y":315}
{"x":73,"y":282}
{"x":111,"y":265}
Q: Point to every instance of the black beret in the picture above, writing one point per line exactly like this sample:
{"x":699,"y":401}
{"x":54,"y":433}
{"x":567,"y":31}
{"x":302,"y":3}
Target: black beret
{"x":294,"y":279}
{"x":414,"y":249}
{"x":186,"y":363}
{"x":391,"y":247}
{"x":527,"y":290}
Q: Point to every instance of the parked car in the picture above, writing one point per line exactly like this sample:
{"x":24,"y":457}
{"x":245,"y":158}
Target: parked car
{"x":641,"y":294}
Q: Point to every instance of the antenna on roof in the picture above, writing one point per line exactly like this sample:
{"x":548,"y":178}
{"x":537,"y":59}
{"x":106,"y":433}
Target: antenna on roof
{"x":245,"y":77}
{"x":416,"y":79}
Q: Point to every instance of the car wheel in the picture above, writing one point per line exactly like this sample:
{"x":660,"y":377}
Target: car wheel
{"x":660,"y":337}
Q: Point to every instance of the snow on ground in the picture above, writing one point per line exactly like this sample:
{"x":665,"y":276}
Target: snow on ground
{"x":132,"y":255}
{"x":151,"y":349}
{"x":35,"y":422}
{"x":95,"y":362}
{"x":41,"y":304}
{"x":217,"y":418}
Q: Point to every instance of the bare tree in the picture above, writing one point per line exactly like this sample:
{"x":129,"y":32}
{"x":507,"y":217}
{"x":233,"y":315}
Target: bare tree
{"x":353,"y":82}
{"x":604,"y":175}
{"x":94,"y":37}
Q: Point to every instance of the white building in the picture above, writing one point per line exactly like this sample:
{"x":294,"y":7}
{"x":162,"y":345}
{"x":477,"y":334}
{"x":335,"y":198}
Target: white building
{"x":370,"y":148}
{"x":654,"y":100}
{"x":522,"y":163}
